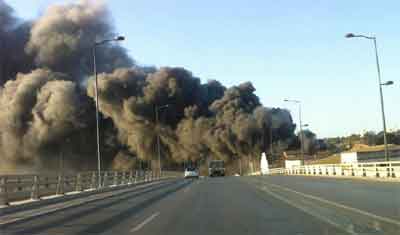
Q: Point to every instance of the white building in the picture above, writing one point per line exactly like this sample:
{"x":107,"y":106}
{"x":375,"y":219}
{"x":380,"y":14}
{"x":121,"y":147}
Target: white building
{"x":292,"y":163}
{"x":365,"y":153}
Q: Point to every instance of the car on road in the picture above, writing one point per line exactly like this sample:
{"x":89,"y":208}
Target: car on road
{"x":191,"y":172}
{"x":216,"y":168}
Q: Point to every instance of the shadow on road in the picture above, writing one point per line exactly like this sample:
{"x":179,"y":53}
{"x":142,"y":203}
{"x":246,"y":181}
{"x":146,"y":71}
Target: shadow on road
{"x":117,"y":219}
{"x":81,"y":213}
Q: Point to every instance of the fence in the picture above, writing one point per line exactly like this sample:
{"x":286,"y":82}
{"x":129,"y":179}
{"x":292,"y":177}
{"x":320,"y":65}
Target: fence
{"x":367,"y":169}
{"x":277,"y":171}
{"x":23,"y":187}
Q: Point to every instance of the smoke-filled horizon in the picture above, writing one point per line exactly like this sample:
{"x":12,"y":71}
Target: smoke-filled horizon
{"x":47,"y":104}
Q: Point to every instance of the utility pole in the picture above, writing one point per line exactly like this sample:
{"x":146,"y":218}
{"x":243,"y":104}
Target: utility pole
{"x":301,"y":128}
{"x":158,"y":136}
{"x":388,"y":83}
{"x":96,"y":44}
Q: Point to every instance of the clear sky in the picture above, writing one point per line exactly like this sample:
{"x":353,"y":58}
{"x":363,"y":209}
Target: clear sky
{"x":287,"y":49}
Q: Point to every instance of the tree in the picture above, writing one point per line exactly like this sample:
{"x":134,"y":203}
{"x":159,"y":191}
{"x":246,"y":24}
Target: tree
{"x":392,"y":137}
{"x":310,"y":142}
{"x":370,"y":138}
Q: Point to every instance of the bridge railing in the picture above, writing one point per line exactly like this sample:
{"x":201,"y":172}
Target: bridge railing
{"x":277,"y":171}
{"x":36,"y":186}
{"x":367,"y":169}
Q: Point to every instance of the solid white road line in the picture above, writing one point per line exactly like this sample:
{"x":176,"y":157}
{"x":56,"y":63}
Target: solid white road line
{"x":9,"y":221}
{"x":377,"y":217}
{"x":305,"y":210}
{"x":146,"y":221}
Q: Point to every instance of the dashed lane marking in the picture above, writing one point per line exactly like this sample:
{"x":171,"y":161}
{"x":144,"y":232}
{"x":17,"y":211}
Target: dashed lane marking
{"x":146,"y":221}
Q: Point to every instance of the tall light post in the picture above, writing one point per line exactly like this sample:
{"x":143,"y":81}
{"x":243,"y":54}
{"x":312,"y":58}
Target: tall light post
{"x":158,"y":138}
{"x":301,"y":127}
{"x":351,"y":35}
{"x":96,"y":44}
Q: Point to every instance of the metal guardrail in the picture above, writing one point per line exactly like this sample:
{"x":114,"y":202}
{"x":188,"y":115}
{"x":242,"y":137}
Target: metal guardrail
{"x":272,"y":171}
{"x":366,"y":169}
{"x":23,"y":187}
{"x":277,"y":171}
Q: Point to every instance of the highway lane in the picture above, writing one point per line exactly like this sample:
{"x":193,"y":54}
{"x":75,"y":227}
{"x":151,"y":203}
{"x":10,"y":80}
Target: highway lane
{"x":90,"y":216}
{"x":358,"y":207}
{"x":380,"y":198}
{"x":230,"y":205}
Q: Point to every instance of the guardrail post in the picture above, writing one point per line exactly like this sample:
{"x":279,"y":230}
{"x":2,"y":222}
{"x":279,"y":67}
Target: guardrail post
{"x":78,"y":183}
{"x":115,"y":178}
{"x":105,"y":179}
{"x":19,"y":188}
{"x":131,"y":177}
{"x":392,"y":169}
{"x":60,"y":184}
{"x":376,"y":171}
{"x":3,"y":191}
{"x":67,"y":182}
{"x":94,"y":184}
{"x":35,"y":188}
{"x":124,"y":177}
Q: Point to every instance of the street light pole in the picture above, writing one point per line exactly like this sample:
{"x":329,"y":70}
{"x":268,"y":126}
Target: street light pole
{"x":387,"y":158}
{"x":119,"y":38}
{"x":301,"y":128}
{"x":158,"y":139}
{"x":350,"y":35}
{"x":301,"y":134}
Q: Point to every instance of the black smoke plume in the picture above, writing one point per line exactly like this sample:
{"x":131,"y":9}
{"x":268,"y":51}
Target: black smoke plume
{"x":14,"y":35}
{"x":47,"y":110}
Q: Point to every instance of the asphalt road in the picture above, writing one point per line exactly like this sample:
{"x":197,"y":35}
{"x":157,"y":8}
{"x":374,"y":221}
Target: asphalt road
{"x":233,"y":205}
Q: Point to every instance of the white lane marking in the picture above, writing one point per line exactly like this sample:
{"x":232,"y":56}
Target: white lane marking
{"x":146,"y":221}
{"x":377,"y":217}
{"x":9,"y":221}
{"x":305,"y":210}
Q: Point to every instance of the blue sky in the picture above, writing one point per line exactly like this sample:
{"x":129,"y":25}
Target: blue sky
{"x":287,"y":49}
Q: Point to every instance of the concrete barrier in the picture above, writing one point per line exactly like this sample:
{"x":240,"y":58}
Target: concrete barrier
{"x":14,"y":188}
{"x":384,"y":170}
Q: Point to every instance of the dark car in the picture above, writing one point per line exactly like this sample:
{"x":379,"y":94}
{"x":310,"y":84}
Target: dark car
{"x":216,"y":168}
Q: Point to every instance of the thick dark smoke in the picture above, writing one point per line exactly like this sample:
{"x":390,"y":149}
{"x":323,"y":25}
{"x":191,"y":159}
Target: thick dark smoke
{"x":14,"y":35}
{"x":201,"y":120}
{"x":47,"y":113}
{"x":44,"y":111}
{"x":62,"y":39}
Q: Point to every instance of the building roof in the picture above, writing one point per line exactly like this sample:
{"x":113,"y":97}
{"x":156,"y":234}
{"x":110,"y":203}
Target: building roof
{"x":363,"y":148}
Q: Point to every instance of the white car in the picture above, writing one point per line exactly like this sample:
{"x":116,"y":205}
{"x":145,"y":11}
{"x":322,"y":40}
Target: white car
{"x":191,"y":173}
